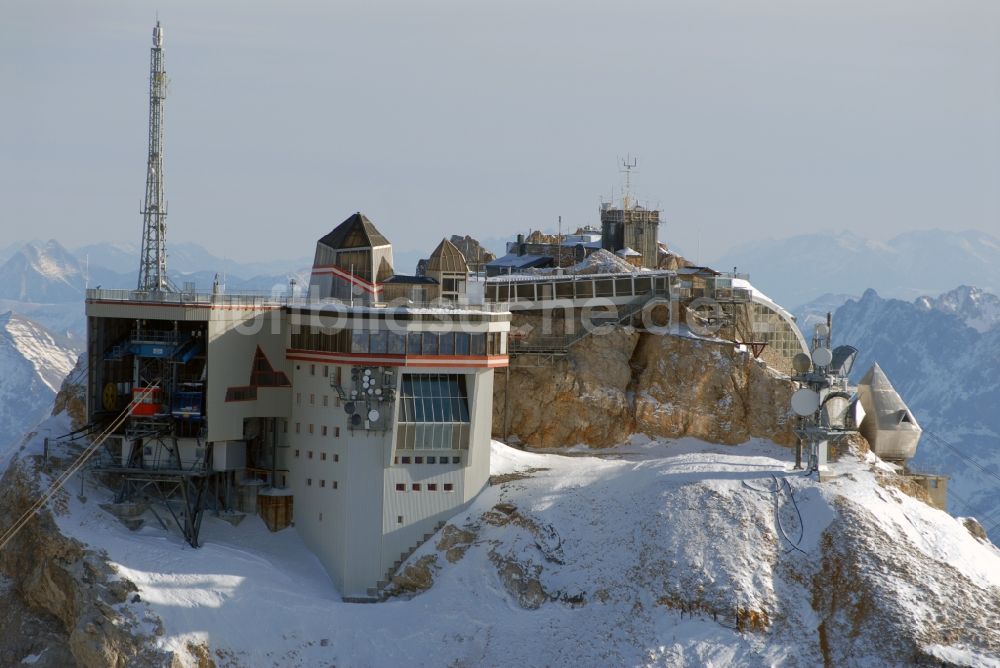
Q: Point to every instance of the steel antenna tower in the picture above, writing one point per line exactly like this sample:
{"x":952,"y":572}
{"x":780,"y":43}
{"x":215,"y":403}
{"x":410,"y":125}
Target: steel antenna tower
{"x":153,"y":262}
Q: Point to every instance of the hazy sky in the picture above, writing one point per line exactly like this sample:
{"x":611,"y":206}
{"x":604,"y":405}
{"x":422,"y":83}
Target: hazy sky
{"x":749,"y":119}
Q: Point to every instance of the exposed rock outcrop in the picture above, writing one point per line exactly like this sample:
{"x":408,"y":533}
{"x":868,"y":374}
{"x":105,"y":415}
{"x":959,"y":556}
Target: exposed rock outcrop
{"x":622,"y":382}
{"x":854,"y":595}
{"x":78,"y":602}
{"x":58,"y":579}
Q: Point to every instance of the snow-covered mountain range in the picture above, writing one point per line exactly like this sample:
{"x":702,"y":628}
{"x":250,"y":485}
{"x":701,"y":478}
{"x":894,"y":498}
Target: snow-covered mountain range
{"x":33,"y":364}
{"x":799,"y":269}
{"x":943,"y":355}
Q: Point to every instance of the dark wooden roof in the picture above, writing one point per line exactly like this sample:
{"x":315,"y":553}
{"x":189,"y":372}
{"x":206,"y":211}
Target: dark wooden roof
{"x":446,"y":257}
{"x":355,"y":232}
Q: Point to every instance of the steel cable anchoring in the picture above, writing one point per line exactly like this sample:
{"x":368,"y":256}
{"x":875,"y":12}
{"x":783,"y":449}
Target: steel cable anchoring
{"x":59,"y":482}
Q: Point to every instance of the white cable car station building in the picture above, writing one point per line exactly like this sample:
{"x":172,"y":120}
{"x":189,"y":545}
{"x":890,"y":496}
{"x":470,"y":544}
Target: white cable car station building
{"x":365,"y":423}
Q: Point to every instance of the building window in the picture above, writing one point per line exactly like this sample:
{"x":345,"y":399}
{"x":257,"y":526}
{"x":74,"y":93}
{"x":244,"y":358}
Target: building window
{"x":433,"y":412}
{"x":432,"y":460}
{"x":444,"y":460}
{"x":296,"y":453}
{"x":416,"y":486}
{"x":298,"y":427}
{"x":312,"y":399}
{"x":322,"y":483}
{"x":326,"y":400}
{"x":326,"y":370}
{"x":310,"y":454}
{"x":321,"y":517}
{"x":448,"y":487}
{"x":399,"y":519}
{"x":336,"y":432}
{"x":432,"y":487}
{"x":334,"y":484}
{"x":322,"y":456}
{"x":298,"y":398}
{"x":418,"y":460}
{"x":336,"y":457}
{"x":406,"y":460}
{"x":400,"y":487}
{"x":312,"y":369}
{"x":456,"y":460}
{"x":284,"y":424}
{"x":324,"y":430}
{"x":395,"y":460}
{"x":309,"y":482}
{"x":310,"y":427}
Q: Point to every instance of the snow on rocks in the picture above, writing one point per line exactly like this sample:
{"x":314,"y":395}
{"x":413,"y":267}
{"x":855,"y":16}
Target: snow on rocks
{"x":649,"y":553}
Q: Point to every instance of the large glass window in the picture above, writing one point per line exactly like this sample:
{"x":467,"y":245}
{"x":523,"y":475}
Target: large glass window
{"x":433,"y":412}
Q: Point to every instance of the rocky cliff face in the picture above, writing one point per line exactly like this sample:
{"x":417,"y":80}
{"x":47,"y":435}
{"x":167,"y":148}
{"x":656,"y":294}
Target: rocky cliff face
{"x":62,"y":603}
{"x":612,"y":385}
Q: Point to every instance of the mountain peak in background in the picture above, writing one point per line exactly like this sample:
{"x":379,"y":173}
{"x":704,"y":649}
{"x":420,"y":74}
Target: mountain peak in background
{"x":974,"y":306}
{"x":33,"y":363}
{"x":42,"y":273}
{"x":799,"y":269}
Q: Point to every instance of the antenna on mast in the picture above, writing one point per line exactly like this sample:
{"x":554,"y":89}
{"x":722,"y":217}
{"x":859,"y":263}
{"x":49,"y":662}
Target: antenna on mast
{"x":628,"y":165}
{"x":153,"y":259}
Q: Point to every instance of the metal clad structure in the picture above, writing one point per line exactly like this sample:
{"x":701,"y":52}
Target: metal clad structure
{"x":890,"y":427}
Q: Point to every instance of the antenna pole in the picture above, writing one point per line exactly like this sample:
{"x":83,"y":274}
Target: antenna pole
{"x":559,"y":238}
{"x":153,"y":260}
{"x":629,"y":164}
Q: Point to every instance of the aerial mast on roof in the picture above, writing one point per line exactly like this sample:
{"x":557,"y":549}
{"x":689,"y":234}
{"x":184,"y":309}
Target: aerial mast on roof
{"x":153,"y":260}
{"x":628,"y":164}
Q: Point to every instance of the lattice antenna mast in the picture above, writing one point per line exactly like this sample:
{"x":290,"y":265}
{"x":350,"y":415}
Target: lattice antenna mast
{"x":628,"y":164}
{"x":153,"y":266}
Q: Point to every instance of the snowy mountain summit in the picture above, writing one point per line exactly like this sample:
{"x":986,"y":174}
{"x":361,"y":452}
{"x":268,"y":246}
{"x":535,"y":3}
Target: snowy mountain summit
{"x":33,"y":364}
{"x":652,"y":553}
{"x":43,"y":273}
{"x":975,"y":307}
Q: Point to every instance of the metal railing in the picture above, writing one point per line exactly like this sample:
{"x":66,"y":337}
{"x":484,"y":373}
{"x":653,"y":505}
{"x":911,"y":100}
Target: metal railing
{"x":251,"y":299}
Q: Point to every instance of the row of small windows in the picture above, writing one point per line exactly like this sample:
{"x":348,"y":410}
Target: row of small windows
{"x":322,"y":455}
{"x":431,"y":487}
{"x":397,"y":343}
{"x":322,"y":483}
{"x":429,"y":460}
{"x":324,"y":430}
{"x":325,"y":399}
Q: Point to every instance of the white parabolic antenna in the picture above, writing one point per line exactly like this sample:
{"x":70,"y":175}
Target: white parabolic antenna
{"x":822,"y":329}
{"x":801,"y":363}
{"x":822,"y":357}
{"x":373,"y":415}
{"x":805,"y":401}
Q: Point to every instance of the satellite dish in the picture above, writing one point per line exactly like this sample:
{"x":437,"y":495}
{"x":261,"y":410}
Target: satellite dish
{"x":805,"y":401}
{"x":378,"y":391}
{"x":843,"y":359}
{"x":371,"y":391}
{"x":349,"y":407}
{"x":822,"y":329}
{"x":373,"y":415}
{"x":356,"y":420}
{"x":822,"y":357}
{"x":368,"y":372}
{"x":801,"y":363}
